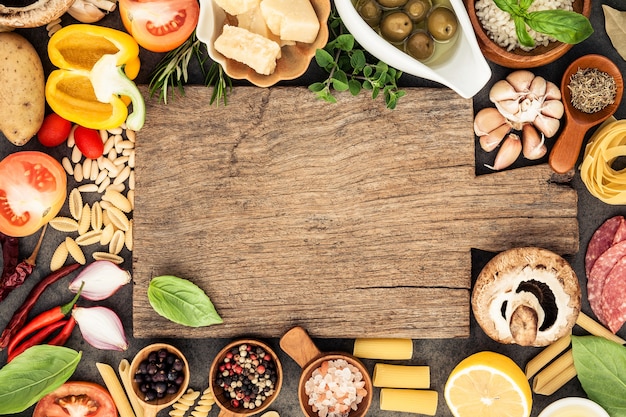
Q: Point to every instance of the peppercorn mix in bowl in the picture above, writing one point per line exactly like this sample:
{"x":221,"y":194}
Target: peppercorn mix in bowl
{"x":245,"y":377}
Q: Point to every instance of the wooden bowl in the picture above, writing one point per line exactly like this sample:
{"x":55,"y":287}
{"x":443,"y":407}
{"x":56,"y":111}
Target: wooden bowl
{"x":299,"y":346}
{"x":151,"y":408}
{"x":518,"y":58}
{"x":226,"y":408}
{"x":294,"y":60}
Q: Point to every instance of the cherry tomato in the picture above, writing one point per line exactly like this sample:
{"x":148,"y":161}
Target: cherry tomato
{"x":54,"y":130}
{"x":33,"y":187}
{"x":160,"y":25}
{"x":77,"y":399}
{"x":89,"y":142}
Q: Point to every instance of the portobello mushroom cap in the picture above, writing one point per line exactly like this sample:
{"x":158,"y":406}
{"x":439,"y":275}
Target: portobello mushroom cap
{"x":527,"y":296}
{"x":37,"y":14}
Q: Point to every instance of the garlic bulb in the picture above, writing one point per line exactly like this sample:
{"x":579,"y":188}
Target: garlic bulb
{"x":91,"y":11}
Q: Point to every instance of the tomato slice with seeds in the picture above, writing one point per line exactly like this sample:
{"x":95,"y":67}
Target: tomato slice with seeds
{"x":77,"y":399}
{"x":160,"y":25}
{"x":33,"y":187}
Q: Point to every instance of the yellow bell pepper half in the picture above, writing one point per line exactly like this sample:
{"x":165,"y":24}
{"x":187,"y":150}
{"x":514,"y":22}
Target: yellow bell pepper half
{"x":93,"y":83}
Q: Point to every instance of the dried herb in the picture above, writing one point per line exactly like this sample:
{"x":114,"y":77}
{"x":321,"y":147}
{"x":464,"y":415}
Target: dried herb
{"x":563,"y":25}
{"x":591,"y":90}
{"x":615,"y":25}
{"x":348,"y":69}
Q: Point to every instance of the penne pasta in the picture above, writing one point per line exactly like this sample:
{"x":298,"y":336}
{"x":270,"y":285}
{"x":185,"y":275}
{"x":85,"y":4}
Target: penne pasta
{"x":596,"y":328}
{"x":390,"y":349}
{"x":115,"y":389}
{"x":555,"y":375}
{"x":409,"y":400}
{"x":547,"y":355}
{"x":401,"y":376}
{"x":124,"y":370}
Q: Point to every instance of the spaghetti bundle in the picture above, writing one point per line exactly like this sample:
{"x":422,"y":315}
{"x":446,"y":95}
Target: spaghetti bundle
{"x":607,"y":144}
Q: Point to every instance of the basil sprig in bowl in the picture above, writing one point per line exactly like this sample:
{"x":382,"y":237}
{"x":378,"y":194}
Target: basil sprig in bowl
{"x":570,"y":27}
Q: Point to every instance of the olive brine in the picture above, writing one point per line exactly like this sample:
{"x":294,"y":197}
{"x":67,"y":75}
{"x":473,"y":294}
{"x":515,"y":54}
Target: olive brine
{"x":417,"y":27}
{"x":160,"y":374}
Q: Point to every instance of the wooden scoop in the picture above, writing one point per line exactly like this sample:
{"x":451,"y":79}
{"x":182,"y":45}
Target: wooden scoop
{"x":567,"y":147}
{"x":150,"y":409}
{"x":299,"y":346}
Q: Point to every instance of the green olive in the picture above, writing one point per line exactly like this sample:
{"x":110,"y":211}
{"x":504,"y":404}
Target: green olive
{"x":420,"y":45}
{"x":396,"y":26}
{"x":417,"y":9}
{"x":370,"y":11}
{"x":392,"y":3}
{"x":442,"y":24}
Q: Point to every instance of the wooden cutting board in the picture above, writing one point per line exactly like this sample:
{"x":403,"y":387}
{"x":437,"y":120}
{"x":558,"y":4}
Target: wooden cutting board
{"x":349,"y":220}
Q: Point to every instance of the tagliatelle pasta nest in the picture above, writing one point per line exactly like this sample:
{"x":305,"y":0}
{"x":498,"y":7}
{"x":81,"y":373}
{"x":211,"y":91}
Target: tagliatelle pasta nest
{"x":606,"y":145}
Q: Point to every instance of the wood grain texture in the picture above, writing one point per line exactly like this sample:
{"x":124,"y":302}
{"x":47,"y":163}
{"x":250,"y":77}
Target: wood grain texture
{"x":350,"y":220}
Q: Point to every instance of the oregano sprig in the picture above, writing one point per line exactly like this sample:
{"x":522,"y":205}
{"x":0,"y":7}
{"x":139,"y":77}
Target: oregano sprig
{"x":563,"y":25}
{"x":349,"y":69}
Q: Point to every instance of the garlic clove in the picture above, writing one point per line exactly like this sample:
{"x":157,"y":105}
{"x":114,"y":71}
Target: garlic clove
{"x":533,"y":146}
{"x":521,"y":80}
{"x":553,"y":108}
{"x":101,"y":328}
{"x":553,"y":92}
{"x":102,"y":279}
{"x":508,"y":106}
{"x":491,"y":140}
{"x":509,"y":152}
{"x":538,"y":87}
{"x":503,"y":90}
{"x":85,"y":12}
{"x":487,"y":120}
{"x":547,"y":125}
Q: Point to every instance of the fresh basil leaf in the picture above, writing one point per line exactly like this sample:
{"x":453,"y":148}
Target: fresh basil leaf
{"x":182,"y":302}
{"x":510,"y":6}
{"x":525,"y":4}
{"x":522,"y":33}
{"x":564,"y":25}
{"x":33,"y":374}
{"x":600,"y":365}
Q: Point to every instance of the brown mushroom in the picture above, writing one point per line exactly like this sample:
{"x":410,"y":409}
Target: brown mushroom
{"x":37,"y":14}
{"x":527,"y":296}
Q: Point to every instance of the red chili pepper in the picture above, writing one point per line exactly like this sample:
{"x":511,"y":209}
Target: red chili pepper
{"x":21,"y":314}
{"x":14,"y":274}
{"x":37,"y":339}
{"x":61,"y":338}
{"x":42,"y":320}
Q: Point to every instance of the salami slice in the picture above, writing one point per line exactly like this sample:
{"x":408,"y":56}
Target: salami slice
{"x":613,"y":302}
{"x":601,"y":240}
{"x":598,"y":275}
{"x":620,"y":233}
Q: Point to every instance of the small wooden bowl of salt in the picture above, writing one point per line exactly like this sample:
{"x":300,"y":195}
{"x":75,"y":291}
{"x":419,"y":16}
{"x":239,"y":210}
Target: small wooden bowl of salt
{"x":343,"y":368}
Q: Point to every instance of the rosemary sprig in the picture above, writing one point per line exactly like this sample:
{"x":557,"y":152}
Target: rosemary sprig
{"x":348,"y":69}
{"x":172,"y":72}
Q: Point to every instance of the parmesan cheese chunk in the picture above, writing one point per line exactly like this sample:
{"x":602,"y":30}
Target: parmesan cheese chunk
{"x":253,"y":21}
{"x":255,"y":51}
{"x":292,"y":20}
{"x":235,"y":7}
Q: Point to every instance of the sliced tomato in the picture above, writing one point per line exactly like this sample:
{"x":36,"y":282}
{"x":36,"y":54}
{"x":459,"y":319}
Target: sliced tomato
{"x":77,"y":399}
{"x":160,"y":25}
{"x":33,"y":187}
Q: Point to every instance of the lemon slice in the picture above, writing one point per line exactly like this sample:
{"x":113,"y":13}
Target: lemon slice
{"x":488,"y":384}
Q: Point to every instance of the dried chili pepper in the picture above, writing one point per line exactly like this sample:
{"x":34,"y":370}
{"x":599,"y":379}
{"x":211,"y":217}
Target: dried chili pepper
{"x":13,"y":273}
{"x":42,"y":320}
{"x":20,"y":316}
{"x":61,"y":338}
{"x":37,"y":339}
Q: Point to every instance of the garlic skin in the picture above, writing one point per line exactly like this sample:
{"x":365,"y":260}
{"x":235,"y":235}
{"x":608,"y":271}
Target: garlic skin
{"x":510,"y":150}
{"x":101,"y":328}
{"x":101,"y":280}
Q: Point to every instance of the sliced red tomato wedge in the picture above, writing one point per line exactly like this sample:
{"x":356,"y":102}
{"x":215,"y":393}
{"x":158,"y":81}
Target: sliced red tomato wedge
{"x":33,"y":187}
{"x":160,"y":25}
{"x":77,"y":399}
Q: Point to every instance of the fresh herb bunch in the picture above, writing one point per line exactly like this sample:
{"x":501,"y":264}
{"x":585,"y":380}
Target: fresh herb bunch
{"x":563,"y":25}
{"x":172,"y":72}
{"x":348,"y":69}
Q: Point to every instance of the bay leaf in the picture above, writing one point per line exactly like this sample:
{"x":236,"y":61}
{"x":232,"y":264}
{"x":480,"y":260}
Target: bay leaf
{"x":181,"y":301}
{"x":33,"y":374}
{"x":600,"y":365}
{"x":615,"y":25}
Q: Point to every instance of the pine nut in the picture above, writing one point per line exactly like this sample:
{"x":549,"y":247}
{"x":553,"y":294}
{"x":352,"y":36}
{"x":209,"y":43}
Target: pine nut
{"x":71,"y":140}
{"x":87,"y":188}
{"x":131,"y":180}
{"x":116,"y":131}
{"x":76,"y":155}
{"x":122,"y":175}
{"x":78,"y":173}
{"x":131,"y":135}
{"x":94,"y":171}
{"x":104,"y":183}
{"x":86,"y":167}
{"x":108,"y":145}
{"x":104,"y":135}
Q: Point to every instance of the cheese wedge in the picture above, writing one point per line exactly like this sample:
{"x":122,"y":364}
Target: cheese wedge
{"x":291,"y":20}
{"x":235,"y":7}
{"x":255,"y":51}
{"x":253,"y":21}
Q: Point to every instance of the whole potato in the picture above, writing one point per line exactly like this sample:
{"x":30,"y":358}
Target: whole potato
{"x":22,"y":99}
